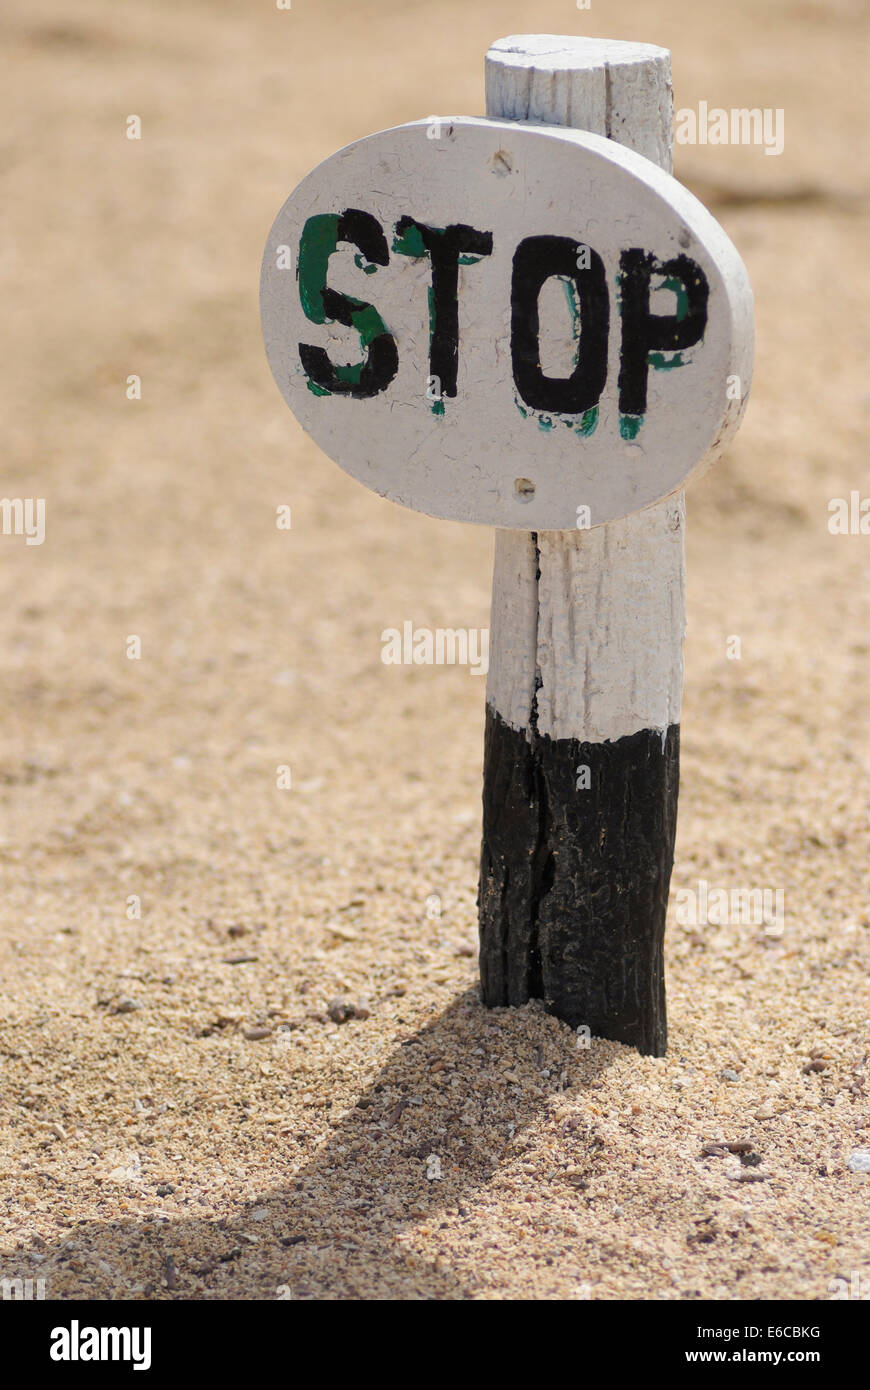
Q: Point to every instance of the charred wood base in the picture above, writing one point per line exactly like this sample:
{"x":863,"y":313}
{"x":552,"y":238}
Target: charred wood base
{"x":574,"y":878}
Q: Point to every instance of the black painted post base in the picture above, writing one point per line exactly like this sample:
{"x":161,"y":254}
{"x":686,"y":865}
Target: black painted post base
{"x":575,"y":873}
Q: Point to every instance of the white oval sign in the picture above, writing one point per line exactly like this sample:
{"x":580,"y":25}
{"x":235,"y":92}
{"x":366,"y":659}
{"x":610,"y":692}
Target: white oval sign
{"x":505,"y":323}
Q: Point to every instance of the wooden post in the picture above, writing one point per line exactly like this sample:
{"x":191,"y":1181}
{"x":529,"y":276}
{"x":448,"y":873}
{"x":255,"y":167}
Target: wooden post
{"x":581,"y":761}
{"x":407,"y":293}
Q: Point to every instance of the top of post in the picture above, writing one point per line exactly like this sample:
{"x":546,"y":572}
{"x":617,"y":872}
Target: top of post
{"x":606,"y":86}
{"x":567,"y":52}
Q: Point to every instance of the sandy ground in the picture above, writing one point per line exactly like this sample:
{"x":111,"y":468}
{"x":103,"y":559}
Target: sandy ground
{"x":181,"y":1117}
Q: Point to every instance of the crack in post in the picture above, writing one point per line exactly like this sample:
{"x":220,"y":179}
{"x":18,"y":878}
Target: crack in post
{"x":543,"y":867}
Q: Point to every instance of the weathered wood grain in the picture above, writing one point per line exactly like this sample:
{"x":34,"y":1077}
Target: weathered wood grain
{"x":581,"y":764}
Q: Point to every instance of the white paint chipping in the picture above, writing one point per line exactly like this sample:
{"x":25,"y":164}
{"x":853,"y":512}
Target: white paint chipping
{"x":603,"y":626}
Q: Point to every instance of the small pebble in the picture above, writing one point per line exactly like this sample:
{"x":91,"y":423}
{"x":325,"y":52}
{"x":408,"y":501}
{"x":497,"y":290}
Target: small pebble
{"x":859,"y":1161}
{"x":728,"y":1074}
{"x":395,"y":1114}
{"x":126,"y":1005}
{"x":341,"y":1010}
{"x":256,"y":1034}
{"x":342,"y":931}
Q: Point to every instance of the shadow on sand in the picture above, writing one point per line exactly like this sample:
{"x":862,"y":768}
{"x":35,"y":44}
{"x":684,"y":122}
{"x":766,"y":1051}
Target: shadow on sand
{"x":342,"y":1227}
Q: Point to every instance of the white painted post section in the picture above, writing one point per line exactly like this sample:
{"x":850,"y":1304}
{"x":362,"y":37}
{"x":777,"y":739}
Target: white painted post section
{"x":586,"y":651}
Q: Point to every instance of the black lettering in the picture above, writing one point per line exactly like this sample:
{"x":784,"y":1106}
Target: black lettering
{"x":445,"y":247}
{"x":536,"y":259}
{"x":643,"y":332}
{"x":320,"y":238}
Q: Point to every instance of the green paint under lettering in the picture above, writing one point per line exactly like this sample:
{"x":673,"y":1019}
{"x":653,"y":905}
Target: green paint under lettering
{"x":410,"y":243}
{"x":318,"y":241}
{"x":570,"y":291}
{"x":586,"y":426}
{"x":629,"y":426}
